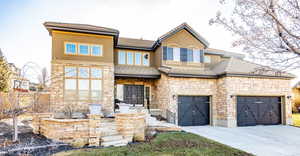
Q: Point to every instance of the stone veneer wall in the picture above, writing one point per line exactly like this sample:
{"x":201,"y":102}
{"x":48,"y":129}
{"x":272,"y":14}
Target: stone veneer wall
{"x":223,"y":106}
{"x":57,"y":102}
{"x":239,"y":86}
{"x":132,"y":126}
{"x":77,"y":132}
{"x":169,"y":88}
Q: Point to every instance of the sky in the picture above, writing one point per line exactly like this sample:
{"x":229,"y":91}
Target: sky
{"x":23,"y":38}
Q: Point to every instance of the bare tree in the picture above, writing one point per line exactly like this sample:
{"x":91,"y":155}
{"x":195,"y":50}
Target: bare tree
{"x":43,"y":78}
{"x":268,"y":30}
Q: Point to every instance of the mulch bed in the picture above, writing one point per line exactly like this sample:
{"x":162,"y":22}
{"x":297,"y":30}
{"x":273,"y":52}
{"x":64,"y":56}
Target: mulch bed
{"x":30,"y":144}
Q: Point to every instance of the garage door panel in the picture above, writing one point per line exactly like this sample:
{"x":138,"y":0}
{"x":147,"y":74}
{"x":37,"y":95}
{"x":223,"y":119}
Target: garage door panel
{"x":253,"y":111}
{"x":247,"y":112}
{"x":193,"y":110}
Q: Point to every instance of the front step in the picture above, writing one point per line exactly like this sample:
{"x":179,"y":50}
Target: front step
{"x":111,"y":138}
{"x":122,"y":142}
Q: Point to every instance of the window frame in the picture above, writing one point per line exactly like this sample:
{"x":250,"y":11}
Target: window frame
{"x":95,"y":45}
{"x":65,"y":48}
{"x":77,"y":78}
{"x":143,"y":54}
{"x":141,"y":58}
{"x":205,"y":59}
{"x":125,"y":57}
{"x":88,"y":48}
{"x":127,"y":53}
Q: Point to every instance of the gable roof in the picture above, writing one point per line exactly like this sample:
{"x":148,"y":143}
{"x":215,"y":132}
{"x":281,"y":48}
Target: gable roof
{"x":183,"y":26}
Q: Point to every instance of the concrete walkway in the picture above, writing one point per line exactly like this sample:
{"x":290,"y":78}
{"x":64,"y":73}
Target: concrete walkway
{"x":259,"y":140}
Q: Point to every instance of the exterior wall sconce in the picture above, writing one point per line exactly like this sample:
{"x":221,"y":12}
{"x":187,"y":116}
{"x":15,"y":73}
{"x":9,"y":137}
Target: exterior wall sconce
{"x":289,"y":97}
{"x":231,"y":96}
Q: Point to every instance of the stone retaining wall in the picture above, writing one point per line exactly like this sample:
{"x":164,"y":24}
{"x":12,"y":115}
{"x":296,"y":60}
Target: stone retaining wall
{"x":132,"y":126}
{"x":80,"y":132}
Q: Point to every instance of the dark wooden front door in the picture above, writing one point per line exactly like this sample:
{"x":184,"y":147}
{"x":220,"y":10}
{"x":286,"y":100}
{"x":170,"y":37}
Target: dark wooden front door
{"x":253,"y":111}
{"x":193,"y":110}
{"x":134,"y":94}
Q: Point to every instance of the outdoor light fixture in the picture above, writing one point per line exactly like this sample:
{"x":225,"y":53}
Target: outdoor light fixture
{"x":231,"y":96}
{"x":288,"y":96}
{"x":174,"y":96}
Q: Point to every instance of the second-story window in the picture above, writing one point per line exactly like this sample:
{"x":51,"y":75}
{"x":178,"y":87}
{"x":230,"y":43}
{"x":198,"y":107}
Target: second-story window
{"x":207,"y":59}
{"x":96,"y":50}
{"x":70,"y":48}
{"x":138,"y":59}
{"x":146,"y":59}
{"x":130,"y":58}
{"x":190,"y":55}
{"x":122,"y":57}
{"x":83,"y":49}
{"x":183,"y":55}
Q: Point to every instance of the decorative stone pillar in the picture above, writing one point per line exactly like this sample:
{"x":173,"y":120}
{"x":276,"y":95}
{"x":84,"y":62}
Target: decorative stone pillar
{"x":36,"y":121}
{"x":131,"y":126}
{"x":94,"y":130}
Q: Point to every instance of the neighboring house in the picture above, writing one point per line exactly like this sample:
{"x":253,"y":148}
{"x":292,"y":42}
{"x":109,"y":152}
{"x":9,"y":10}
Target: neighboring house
{"x":17,"y":82}
{"x":191,"y":83}
{"x":296,"y":97}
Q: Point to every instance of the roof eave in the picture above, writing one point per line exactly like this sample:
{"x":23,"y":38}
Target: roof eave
{"x":134,"y":47}
{"x":255,"y":76}
{"x":137,"y":76}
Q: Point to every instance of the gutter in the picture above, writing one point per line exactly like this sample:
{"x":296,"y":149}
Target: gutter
{"x":138,"y":76}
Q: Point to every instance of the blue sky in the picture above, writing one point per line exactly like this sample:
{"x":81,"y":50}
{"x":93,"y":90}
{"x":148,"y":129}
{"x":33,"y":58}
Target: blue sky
{"x":23,"y":37}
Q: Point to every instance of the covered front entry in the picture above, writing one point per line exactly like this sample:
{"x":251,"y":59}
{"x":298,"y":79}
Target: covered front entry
{"x":193,"y":110}
{"x":134,"y":94}
{"x":255,"y":110}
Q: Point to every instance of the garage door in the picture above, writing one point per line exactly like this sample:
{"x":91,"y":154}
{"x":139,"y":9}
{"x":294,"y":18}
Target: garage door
{"x":193,"y":110}
{"x":253,"y":111}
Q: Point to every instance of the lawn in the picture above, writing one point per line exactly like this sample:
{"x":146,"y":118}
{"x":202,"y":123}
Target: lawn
{"x":296,"y":119}
{"x":165,"y":144}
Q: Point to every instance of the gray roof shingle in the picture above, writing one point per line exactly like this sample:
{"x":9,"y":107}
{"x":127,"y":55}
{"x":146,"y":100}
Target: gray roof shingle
{"x":135,"y":42}
{"x":136,"y":71}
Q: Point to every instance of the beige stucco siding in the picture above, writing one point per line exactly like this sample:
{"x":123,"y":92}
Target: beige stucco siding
{"x":58,"y":42}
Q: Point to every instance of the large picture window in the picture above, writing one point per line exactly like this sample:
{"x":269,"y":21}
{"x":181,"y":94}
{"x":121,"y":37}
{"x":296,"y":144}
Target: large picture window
{"x":83,"y":83}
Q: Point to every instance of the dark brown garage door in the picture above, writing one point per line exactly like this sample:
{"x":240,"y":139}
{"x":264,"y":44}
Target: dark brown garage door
{"x":253,"y":111}
{"x":193,"y":110}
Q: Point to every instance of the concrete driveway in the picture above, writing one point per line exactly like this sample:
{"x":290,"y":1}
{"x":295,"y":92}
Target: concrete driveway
{"x":259,"y":140}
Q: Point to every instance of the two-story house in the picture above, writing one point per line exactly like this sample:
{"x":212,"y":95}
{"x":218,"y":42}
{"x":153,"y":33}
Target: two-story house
{"x":191,"y":83}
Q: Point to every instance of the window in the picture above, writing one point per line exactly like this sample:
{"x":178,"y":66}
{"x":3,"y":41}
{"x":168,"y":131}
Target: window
{"x":169,"y":53}
{"x":83,"y":89}
{"x":96,"y":50}
{"x":176,"y":54}
{"x":70,"y":48}
{"x":122,"y":57}
{"x":130,"y":58}
{"x":70,"y":88}
{"x":96,"y":73}
{"x":83,"y":49}
{"x":196,"y":56}
{"x":146,"y":59}
{"x":96,"y":88}
{"x":138,"y":57}
{"x":86,"y":85}
{"x":207,"y":59}
{"x":83,"y":72}
{"x":70,"y":72}
{"x":190,"y":55}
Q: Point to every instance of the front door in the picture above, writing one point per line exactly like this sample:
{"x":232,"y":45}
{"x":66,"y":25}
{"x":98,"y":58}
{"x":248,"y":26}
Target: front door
{"x":134,"y":94}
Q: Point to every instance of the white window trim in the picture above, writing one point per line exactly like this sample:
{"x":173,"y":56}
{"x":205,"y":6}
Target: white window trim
{"x":65,"y":48}
{"x":96,"y":45}
{"x":83,"y":44}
